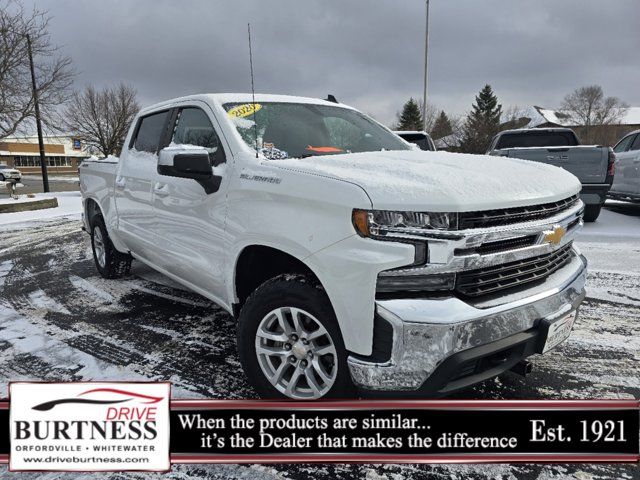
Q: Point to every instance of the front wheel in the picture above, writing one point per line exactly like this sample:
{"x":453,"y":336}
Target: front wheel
{"x":290,"y":344}
{"x":592,"y":212}
{"x":110,"y":262}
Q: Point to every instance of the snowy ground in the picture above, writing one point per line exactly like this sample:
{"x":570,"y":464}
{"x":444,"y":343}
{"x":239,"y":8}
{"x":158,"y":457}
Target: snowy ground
{"x":69,"y":206}
{"x":57,"y":177}
{"x":60,"y":321}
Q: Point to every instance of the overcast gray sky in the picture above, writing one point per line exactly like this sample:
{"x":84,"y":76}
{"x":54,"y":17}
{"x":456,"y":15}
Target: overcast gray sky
{"x":369,"y":53}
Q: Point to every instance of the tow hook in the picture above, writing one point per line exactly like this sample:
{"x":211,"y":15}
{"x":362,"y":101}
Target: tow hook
{"x":522,"y":368}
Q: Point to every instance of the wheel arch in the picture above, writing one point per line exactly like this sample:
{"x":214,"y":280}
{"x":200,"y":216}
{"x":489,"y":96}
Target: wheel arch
{"x":91,"y":208}
{"x":258,"y":263}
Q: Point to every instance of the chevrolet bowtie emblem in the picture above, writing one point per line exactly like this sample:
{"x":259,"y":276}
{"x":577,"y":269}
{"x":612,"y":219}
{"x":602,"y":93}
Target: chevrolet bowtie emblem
{"x":554,"y":236}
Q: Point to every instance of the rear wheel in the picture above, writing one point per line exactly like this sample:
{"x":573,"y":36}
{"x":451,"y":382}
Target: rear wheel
{"x":592,"y":212}
{"x":290,"y":344}
{"x":110,"y":262}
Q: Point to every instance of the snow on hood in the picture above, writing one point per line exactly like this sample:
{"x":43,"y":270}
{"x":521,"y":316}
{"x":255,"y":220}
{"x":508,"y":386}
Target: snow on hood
{"x":442,"y":181}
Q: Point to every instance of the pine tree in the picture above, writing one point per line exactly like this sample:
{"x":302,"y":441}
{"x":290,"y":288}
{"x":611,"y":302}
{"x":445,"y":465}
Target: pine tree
{"x":442,"y":126}
{"x":410,"y":118}
{"x":482,"y":123}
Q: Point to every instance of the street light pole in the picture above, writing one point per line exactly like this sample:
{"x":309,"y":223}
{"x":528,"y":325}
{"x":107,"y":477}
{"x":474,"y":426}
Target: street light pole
{"x":43,"y":160}
{"x":426,"y":64}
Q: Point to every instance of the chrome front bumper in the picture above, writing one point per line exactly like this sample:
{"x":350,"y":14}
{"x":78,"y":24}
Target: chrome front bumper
{"x":426,"y":332}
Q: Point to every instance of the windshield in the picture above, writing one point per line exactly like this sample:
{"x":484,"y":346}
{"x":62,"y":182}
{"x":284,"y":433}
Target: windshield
{"x":299,"y":130}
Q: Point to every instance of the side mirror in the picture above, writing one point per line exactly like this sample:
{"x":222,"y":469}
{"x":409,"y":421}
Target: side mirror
{"x":194,"y":164}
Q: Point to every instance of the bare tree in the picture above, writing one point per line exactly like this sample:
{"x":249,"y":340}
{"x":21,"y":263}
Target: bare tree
{"x":101,"y":118}
{"x":511,"y":117}
{"x":54,"y":74}
{"x":430,"y":116}
{"x":588,"y":107}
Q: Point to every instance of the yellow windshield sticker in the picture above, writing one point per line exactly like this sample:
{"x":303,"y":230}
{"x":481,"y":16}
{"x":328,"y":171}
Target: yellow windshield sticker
{"x":244,"y":110}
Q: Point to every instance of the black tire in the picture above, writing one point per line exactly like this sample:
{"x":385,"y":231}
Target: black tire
{"x":2,"y":178}
{"x":114,"y":264}
{"x":592,"y":212}
{"x":297,"y":291}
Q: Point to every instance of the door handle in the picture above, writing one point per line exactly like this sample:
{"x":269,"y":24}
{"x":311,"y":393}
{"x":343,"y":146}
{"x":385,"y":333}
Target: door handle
{"x":121,"y":182}
{"x":161,"y":189}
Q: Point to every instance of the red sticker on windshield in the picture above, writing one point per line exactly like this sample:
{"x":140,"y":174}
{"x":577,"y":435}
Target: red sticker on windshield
{"x":324,"y":149}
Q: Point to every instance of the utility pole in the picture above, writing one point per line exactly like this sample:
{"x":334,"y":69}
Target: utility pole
{"x":43,"y":160}
{"x":426,"y":63}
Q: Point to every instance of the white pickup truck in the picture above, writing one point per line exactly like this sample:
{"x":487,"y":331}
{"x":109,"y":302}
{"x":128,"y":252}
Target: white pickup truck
{"x":349,"y":258}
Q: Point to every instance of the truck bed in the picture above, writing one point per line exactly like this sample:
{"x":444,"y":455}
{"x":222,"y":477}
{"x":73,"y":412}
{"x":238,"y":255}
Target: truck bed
{"x":97,"y":181}
{"x":588,"y":163}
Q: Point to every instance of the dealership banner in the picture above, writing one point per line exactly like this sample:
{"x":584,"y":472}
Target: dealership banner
{"x":109,"y":426}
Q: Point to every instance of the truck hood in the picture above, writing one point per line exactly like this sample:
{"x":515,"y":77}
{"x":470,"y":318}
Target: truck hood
{"x":441,"y":181}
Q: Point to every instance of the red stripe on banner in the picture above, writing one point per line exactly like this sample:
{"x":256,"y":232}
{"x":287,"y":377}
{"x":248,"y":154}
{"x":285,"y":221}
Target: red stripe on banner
{"x":408,"y":404}
{"x":462,"y":458}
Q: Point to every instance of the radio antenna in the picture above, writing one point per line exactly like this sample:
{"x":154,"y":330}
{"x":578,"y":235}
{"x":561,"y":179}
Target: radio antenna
{"x":253,"y":93}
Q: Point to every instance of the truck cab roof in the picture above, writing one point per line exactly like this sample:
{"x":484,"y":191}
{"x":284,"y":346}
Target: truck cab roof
{"x":534,"y":130}
{"x":223,"y":98}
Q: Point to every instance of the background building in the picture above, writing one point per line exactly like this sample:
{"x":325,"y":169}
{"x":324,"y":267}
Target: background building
{"x":606,"y":135}
{"x":63,"y":153}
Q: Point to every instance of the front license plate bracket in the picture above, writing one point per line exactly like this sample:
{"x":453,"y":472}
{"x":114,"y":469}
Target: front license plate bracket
{"x":556,"y":330}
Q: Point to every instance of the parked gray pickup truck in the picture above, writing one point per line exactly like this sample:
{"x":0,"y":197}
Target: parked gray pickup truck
{"x":593,"y":165}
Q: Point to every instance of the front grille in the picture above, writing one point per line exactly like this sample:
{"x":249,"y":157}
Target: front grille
{"x":483,"y":281}
{"x":508,"y":216}
{"x":499,"y":246}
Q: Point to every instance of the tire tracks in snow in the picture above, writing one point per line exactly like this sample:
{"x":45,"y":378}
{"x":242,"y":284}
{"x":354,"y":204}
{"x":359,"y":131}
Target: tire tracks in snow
{"x":60,"y":321}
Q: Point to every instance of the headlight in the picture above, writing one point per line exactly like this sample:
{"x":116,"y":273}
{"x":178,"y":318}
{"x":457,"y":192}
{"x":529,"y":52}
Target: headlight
{"x":377,"y":223}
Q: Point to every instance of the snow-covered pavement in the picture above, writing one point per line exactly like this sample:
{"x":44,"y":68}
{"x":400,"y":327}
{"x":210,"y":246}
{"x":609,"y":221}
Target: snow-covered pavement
{"x":69,"y":206}
{"x":69,"y":178}
{"x":60,"y":321}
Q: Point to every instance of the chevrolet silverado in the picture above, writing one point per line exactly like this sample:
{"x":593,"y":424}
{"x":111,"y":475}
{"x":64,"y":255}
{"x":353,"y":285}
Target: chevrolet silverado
{"x":349,"y":262}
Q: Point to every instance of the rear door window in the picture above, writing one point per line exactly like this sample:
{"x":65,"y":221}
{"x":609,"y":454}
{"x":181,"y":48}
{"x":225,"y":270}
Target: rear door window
{"x":636,"y":143}
{"x":150,"y":132}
